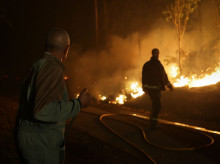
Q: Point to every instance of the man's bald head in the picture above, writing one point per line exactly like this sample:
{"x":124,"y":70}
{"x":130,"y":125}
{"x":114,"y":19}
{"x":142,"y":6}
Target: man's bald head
{"x":155,"y":53}
{"x":57,"y":40}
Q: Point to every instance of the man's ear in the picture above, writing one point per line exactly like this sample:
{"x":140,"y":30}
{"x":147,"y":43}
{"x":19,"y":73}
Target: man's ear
{"x":66,"y":49}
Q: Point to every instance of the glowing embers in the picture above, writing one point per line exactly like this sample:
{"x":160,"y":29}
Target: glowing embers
{"x":66,"y":77}
{"x":198,"y":81}
{"x":112,"y":102}
{"x":121,"y":99}
{"x":103,"y":98}
{"x":133,"y":90}
{"x":136,"y":90}
{"x":118,"y":100}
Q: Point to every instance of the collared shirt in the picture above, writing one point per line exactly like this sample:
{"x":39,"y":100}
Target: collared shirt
{"x":51,"y":56}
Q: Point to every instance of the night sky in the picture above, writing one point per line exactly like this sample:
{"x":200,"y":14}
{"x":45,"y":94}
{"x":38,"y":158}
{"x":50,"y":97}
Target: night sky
{"x":23,"y":25}
{"x":30,"y":20}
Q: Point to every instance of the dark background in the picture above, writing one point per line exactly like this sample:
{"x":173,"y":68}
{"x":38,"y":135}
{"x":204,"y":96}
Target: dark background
{"x":23,"y":25}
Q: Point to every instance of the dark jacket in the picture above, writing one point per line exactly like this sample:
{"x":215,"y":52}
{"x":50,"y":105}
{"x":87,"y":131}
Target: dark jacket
{"x":43,"y":111}
{"x":154,"y":75}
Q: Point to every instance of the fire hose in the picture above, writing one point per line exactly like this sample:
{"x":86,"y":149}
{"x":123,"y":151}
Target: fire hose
{"x":147,"y":139}
{"x":126,"y":140}
{"x":144,"y":136}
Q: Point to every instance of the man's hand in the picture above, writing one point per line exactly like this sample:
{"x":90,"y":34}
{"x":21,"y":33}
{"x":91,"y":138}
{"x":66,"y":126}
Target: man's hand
{"x":84,"y":98}
{"x":170,"y":86}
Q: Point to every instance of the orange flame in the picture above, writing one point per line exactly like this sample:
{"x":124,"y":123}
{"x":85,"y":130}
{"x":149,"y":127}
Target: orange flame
{"x":121,"y":99}
{"x":66,"y":77}
{"x":199,"y":81}
{"x":103,"y":98}
{"x":136,"y":90}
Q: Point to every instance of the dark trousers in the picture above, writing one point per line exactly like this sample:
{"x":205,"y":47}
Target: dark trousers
{"x":155,"y":96}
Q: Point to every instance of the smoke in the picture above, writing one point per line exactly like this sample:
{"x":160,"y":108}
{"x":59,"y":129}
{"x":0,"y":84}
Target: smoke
{"x":104,"y":72}
{"x":110,"y":71}
{"x":202,"y":43}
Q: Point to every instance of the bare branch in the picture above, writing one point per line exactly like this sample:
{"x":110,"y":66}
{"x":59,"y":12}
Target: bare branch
{"x":179,"y":12}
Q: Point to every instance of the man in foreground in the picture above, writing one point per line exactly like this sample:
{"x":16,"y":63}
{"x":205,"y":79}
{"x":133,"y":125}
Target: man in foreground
{"x":154,"y":79}
{"x":44,"y":106}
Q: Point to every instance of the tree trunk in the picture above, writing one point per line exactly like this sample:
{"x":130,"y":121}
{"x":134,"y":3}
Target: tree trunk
{"x":106,"y":18}
{"x":217,"y":12}
{"x":97,"y":26}
{"x":180,"y":55}
{"x":139,"y":43}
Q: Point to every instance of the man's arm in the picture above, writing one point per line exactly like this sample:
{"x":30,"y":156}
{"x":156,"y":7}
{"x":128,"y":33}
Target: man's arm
{"x":165,"y":79}
{"x":58,"y":111}
{"x":51,"y":104}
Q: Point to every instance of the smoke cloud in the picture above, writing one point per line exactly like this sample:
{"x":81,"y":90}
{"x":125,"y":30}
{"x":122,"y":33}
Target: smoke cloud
{"x":104,"y":72}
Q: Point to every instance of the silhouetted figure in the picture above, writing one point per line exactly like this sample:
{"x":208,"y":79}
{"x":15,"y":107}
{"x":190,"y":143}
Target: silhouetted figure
{"x":154,"y":79}
{"x":44,"y":106}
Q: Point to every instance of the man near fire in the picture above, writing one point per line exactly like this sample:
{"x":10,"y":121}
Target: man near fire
{"x":154,"y":79}
{"x":44,"y":106}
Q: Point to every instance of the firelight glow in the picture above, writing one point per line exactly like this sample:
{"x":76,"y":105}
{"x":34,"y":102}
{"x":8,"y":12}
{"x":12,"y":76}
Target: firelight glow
{"x":174,"y":71}
{"x":199,"y":81}
{"x":121,"y":99}
{"x":66,"y":77}
{"x":136,"y":90}
{"x":103,"y":98}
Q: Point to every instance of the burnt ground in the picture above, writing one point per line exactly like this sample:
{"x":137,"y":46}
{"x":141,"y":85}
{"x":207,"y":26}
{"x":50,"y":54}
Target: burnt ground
{"x":197,"y":106}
